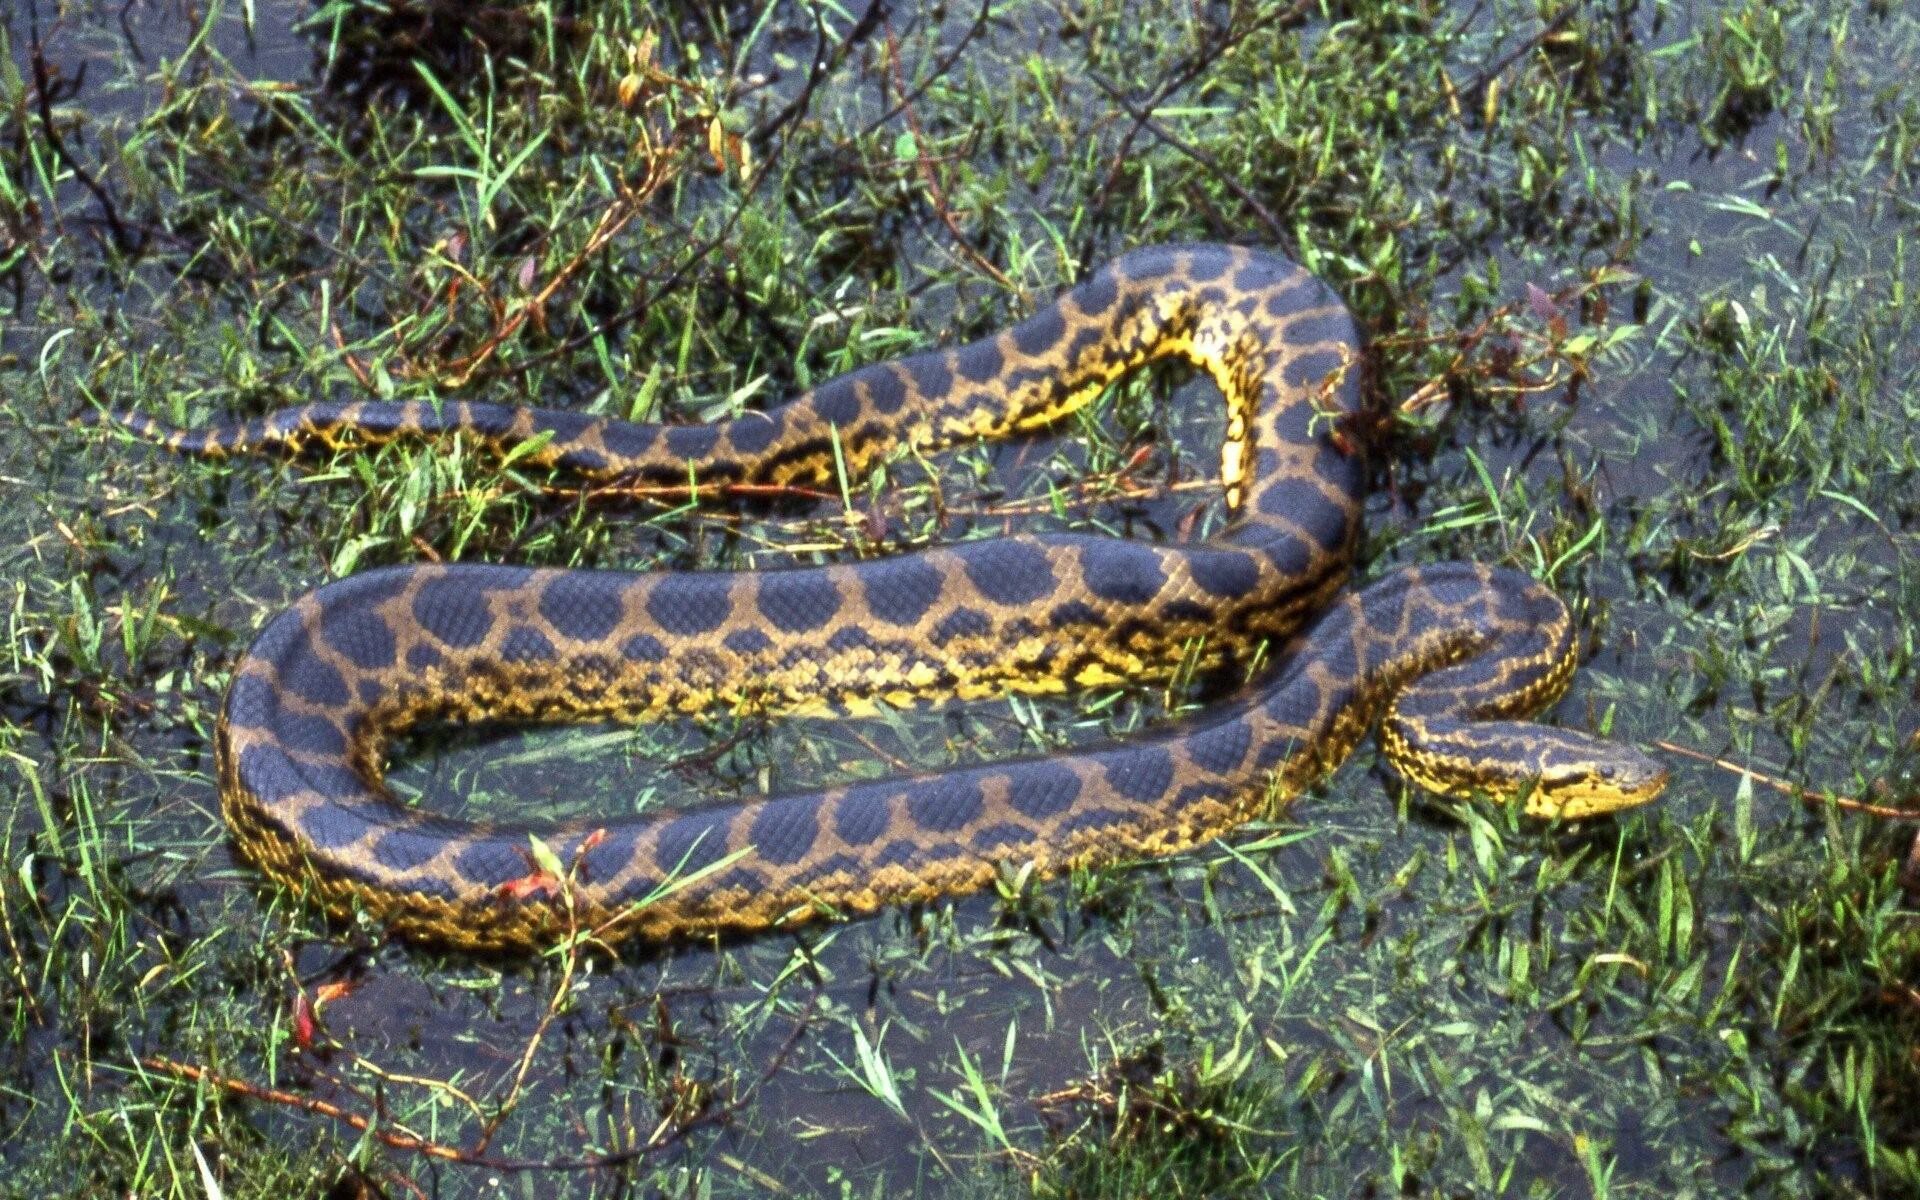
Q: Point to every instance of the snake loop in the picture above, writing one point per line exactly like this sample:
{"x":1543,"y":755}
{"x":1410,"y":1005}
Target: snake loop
{"x":1449,"y":660}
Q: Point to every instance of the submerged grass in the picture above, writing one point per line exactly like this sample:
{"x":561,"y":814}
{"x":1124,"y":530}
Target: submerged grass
{"x":1639,"y":281}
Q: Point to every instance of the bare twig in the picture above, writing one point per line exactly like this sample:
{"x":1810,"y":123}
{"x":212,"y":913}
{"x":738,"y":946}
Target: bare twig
{"x":397,"y":1138}
{"x":43,"y":101}
{"x":1197,"y":63}
{"x":1275,"y":229}
{"x":823,"y":65}
{"x":1804,"y":795}
{"x":938,"y":73}
{"x":932,"y":180}
{"x":1478,"y":86}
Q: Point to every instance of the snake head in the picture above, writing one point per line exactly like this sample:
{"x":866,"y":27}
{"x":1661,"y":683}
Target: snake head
{"x":1607,"y":777}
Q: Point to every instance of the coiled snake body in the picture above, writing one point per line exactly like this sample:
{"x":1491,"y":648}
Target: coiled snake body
{"x":1448,"y":658}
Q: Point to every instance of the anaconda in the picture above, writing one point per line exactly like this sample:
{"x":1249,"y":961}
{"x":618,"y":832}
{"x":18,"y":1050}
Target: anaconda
{"x":1449,"y":659}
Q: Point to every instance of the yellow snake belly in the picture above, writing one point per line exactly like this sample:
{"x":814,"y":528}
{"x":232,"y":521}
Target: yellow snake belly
{"x":1447,"y":658}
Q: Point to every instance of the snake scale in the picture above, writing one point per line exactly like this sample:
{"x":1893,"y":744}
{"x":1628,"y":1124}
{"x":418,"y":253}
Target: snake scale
{"x":1449,"y":660}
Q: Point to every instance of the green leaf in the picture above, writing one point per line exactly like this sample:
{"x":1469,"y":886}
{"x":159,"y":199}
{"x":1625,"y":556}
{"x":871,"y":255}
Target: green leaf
{"x":545,"y":858}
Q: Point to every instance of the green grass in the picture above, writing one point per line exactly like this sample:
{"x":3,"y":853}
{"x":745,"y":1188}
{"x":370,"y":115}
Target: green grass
{"x":1639,"y":282}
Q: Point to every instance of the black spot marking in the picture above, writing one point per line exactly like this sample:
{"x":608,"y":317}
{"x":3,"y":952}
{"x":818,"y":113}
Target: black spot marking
{"x":739,"y":880}
{"x":585,"y":460}
{"x":754,"y":432}
{"x":837,"y":402}
{"x":525,"y":644}
{"x":943,"y":805}
{"x":580,"y":606}
{"x":356,"y":634}
{"x":901,"y":590}
{"x":850,"y":637}
{"x":1340,"y":472}
{"x":490,"y":862}
{"x":748,"y":642}
{"x":629,"y":439}
{"x":1148,"y":262}
{"x":1042,"y":789}
{"x":1096,"y":295}
{"x":1291,"y":299}
{"x":786,"y":829}
{"x":980,"y":361}
{"x":406,"y":849}
{"x":1085,"y":340}
{"x":690,"y":604}
{"x":863,"y":436}
{"x":1101,"y":820}
{"x":251,"y":703}
{"x":1205,"y":266}
{"x":886,"y":391}
{"x":912,"y":854}
{"x":1289,"y":555}
{"x":810,"y":452}
{"x":1006,"y":571}
{"x":336,"y":781}
{"x":1330,"y":325}
{"x":692,"y":441}
{"x":1293,"y":421}
{"x":643,"y":647}
{"x":566,"y":426}
{"x":797,"y":601}
{"x":1188,"y":610}
{"x":1121,"y":571}
{"x":998,"y":838}
{"x":310,"y":735}
{"x":1073,"y":613}
{"x":1229,"y":574}
{"x":1309,"y":369}
{"x":421,"y":657}
{"x":313,"y":679}
{"x":701,"y":666}
{"x":862,"y":815}
{"x":606,"y":860}
{"x":833,"y":868}
{"x":1222,"y":748}
{"x":961,"y":622}
{"x":692,"y":843}
{"x":331,"y":826}
{"x":1041,"y":332}
{"x":1294,"y":707}
{"x":453,"y":611}
{"x":1142,"y":773}
{"x":1298,"y":500}
{"x":931,"y":376}
{"x":268,"y":773}
{"x":1254,"y":275}
{"x":657,"y":475}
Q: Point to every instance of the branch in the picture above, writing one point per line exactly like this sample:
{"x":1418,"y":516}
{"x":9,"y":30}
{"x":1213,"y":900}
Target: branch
{"x":42,"y":87}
